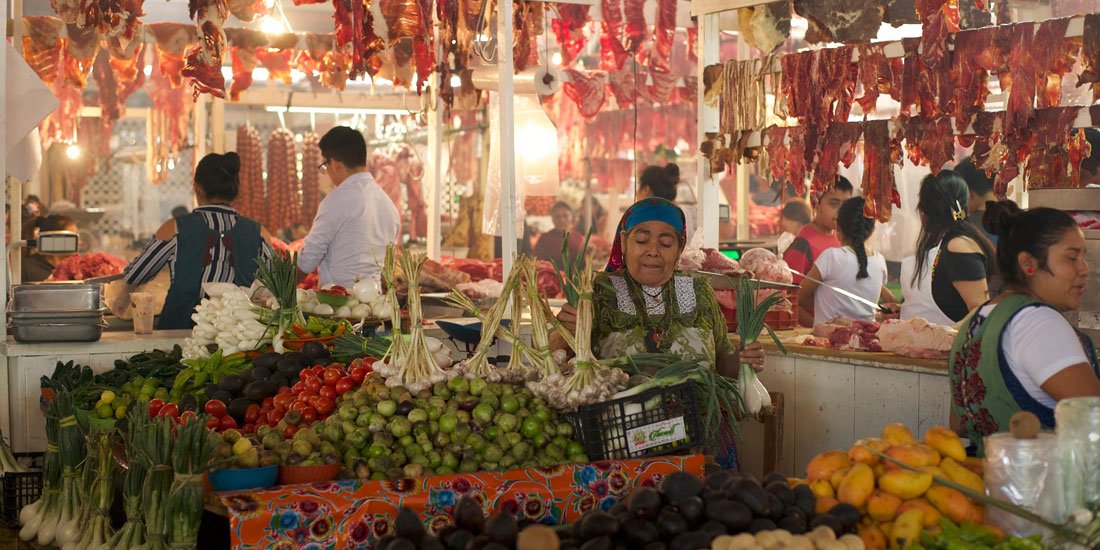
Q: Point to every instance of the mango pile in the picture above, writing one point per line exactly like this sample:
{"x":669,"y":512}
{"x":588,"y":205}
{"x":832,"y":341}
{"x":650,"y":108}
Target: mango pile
{"x":896,"y":504}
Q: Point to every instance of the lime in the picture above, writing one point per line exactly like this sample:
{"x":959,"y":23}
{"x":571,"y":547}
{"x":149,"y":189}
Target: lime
{"x":531,"y":427}
{"x":107,"y":397}
{"x":542,"y":414}
{"x":575,"y":448}
{"x":120,"y":412}
{"x":509,"y":404}
{"x":104,"y":411}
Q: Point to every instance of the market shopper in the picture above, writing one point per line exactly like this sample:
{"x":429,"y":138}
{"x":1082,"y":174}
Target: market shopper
{"x":549,"y":244}
{"x":820,"y":234}
{"x":948,"y":276}
{"x":792,"y":218}
{"x":659,"y":181}
{"x":1090,"y":167}
{"x":641,"y":304}
{"x":38,"y":267}
{"x":852,"y":267}
{"x":354,"y":222}
{"x":1017,"y":352}
{"x":212,"y":243}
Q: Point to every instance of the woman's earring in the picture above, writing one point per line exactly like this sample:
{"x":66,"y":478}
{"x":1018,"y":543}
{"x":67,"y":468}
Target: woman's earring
{"x":1030,"y":271}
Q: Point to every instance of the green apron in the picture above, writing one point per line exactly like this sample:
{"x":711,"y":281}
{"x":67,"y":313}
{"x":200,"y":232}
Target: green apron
{"x":985,"y":393}
{"x":193,"y":242}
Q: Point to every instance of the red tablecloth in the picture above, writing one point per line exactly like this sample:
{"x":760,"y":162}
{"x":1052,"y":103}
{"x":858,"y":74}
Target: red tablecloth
{"x":354,"y":514}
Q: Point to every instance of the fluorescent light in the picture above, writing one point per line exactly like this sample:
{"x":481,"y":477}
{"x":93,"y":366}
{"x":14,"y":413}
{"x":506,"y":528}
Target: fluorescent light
{"x":335,"y":110}
{"x":73,"y":151}
{"x":270,"y":25}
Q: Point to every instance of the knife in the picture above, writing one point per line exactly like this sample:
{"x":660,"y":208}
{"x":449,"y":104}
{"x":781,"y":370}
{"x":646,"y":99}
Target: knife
{"x":859,"y":299}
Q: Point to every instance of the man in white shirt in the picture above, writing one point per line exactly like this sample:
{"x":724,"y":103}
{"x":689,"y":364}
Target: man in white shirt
{"x":354,"y":222}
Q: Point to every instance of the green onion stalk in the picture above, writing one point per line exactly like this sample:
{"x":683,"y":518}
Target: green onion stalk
{"x":132,"y":533}
{"x":96,"y":526}
{"x":73,"y":453}
{"x":195,"y":446}
{"x":389,"y":277}
{"x":75,"y":532}
{"x":538,"y":355}
{"x":280,"y":277}
{"x":478,"y":365}
{"x":410,"y":363}
{"x":40,"y":519}
{"x":156,"y":445}
{"x":349,"y":346}
{"x":750,"y":323}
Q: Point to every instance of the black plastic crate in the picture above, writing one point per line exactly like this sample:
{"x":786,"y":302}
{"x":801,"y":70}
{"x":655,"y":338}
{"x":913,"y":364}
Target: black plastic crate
{"x":661,"y":421}
{"x":21,"y":488}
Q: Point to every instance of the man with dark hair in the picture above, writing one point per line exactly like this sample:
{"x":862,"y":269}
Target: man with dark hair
{"x":354,"y":222}
{"x":981,"y":192}
{"x":1090,"y":167}
{"x":820,"y":234}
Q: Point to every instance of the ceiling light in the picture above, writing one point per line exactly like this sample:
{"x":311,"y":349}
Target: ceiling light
{"x":334,"y":110}
{"x":556,"y":58}
{"x":148,"y":70}
{"x":73,"y":151}
{"x":456,"y":81}
{"x":270,"y":25}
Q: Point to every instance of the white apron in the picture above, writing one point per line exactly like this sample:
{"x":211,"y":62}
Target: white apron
{"x":918,"y":299}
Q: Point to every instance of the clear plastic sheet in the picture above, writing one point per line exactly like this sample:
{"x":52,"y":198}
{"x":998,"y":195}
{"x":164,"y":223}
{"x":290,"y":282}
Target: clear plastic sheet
{"x":1078,"y":422}
{"x":1024,"y":472}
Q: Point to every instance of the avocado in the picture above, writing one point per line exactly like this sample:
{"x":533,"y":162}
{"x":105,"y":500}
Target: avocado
{"x":502,"y":528}
{"x":280,"y":380}
{"x":671,"y":524}
{"x":716,"y":479}
{"x":221,"y":395}
{"x":408,"y":525}
{"x":731,"y":513}
{"x":237,"y":408}
{"x":714,"y":529}
{"x":847,"y":514}
{"x":289,"y":368}
{"x":794,"y":524}
{"x":805,"y":500}
{"x":760,"y":524}
{"x":751,"y":494}
{"x":598,"y":543}
{"x":773,"y":478}
{"x":828,"y":520}
{"x":637,"y":531}
{"x":232,"y":383}
{"x":301,"y":358}
{"x":188,"y":403}
{"x":619,"y":509}
{"x":644,"y":503}
{"x":210,"y":388}
{"x":458,"y":540}
{"x":266,"y":360}
{"x":691,"y":541}
{"x":256,"y":391}
{"x":781,"y":490}
{"x":776,"y":510}
{"x":468,"y":515}
{"x":681,"y":485}
{"x":597,"y":523}
{"x":259,"y":373}
{"x":315,"y":350}
{"x":430,"y":543}
{"x":691,"y":509}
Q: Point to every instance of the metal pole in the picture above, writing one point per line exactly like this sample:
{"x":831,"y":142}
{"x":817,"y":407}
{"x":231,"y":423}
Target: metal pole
{"x":707,"y":184}
{"x":742,"y":169}
{"x":435,"y":158}
{"x":506,"y":67}
{"x":15,"y":186}
{"x":4,"y":170}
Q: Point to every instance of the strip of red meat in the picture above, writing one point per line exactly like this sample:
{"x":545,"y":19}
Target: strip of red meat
{"x":1048,"y":159}
{"x":879,"y":188}
{"x":796,"y":157}
{"x":939,"y":18}
{"x":587,"y":90}
{"x":634,"y":31}
{"x":42,"y":48}
{"x":1021,"y":85}
{"x":1090,"y":55}
{"x":664,"y":30}
{"x":277,"y":63}
{"x":777,"y":152}
{"x":1053,"y":61}
{"x":971,"y":78}
{"x":840,"y":144}
{"x":625,"y":86}
{"x":81,"y":48}
{"x":612,"y":52}
{"x":569,"y":29}
{"x":877,"y":75}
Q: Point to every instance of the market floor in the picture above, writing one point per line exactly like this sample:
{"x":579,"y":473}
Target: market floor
{"x":9,"y":540}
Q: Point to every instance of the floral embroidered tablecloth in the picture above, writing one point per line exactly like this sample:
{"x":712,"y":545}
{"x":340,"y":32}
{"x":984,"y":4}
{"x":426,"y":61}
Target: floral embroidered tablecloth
{"x":355,"y":514}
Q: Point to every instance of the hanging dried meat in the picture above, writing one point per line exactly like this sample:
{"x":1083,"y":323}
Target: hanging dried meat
{"x":284,"y":192}
{"x":971,"y":78}
{"x":879,"y":189}
{"x":277,"y":55}
{"x":587,"y":89}
{"x":203,"y":62}
{"x":118,"y":73}
{"x":321,"y":58}
{"x":624,"y":86}
{"x":1048,"y":159}
{"x":251,"y":201}
{"x":116,"y":19}
{"x":1053,"y":61}
{"x":423,"y":45}
{"x":447,"y":13}
{"x":172,"y":41}
{"x":776,"y":148}
{"x":932,"y":91}
{"x":764,"y":27}
{"x":740,"y":96}
{"x":612,"y":52}
{"x":81,"y":48}
{"x":813,"y":83}
{"x":1090,"y":55}
{"x":250,"y":10}
{"x":796,"y":156}
{"x":878,"y":74}
{"x":839,"y":147}
{"x":355,"y":32}
{"x":569,"y":30}
{"x":243,"y":45}
{"x":42,"y":47}
{"x":938,"y":18}
{"x":1022,"y":80}
{"x":840,"y":20}
{"x":660,"y":91}
{"x":526,"y":20}
{"x":929,"y":142}
{"x":311,"y":176}
{"x":664,"y":31}
{"x":61,"y":126}
{"x":170,"y":117}
{"x":635,"y":28}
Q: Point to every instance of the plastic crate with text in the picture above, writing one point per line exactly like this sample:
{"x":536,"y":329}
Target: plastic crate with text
{"x":660,"y":421}
{"x":781,"y":317}
{"x":20,"y":488}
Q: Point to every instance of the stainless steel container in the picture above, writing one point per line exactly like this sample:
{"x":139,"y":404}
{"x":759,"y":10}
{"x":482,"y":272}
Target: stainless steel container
{"x":57,"y":317}
{"x":57,"y":332}
{"x":56,"y":297}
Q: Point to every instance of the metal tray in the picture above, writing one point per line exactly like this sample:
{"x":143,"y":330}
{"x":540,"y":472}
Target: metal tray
{"x":723,"y":282}
{"x":57,"y":297}
{"x":62,"y":317}
{"x":57,"y":333}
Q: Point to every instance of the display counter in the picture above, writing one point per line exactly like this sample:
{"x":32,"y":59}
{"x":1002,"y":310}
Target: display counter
{"x":834,"y":397}
{"x":21,"y":419}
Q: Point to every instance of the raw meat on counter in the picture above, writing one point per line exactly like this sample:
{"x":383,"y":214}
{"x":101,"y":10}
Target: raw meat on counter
{"x":709,"y":259}
{"x":916,"y":338}
{"x":479,"y":270}
{"x":85,"y":266}
{"x":485,"y":288}
{"x":766,"y":266}
{"x":846,"y":334}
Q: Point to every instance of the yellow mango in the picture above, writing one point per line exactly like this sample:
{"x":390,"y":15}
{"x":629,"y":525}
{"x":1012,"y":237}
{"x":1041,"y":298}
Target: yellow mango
{"x":934,"y":456}
{"x":904,"y":484}
{"x":934,"y":470}
{"x":873,"y":537}
{"x":946,"y":442}
{"x":879,"y":470}
{"x":910,"y":455}
{"x":862,"y":450}
{"x":907,"y":528}
{"x":931,"y":514}
{"x":857,"y":486}
{"x":897,"y":434}
{"x":963,"y":476}
{"x":838,"y":477}
{"x":824,"y":465}
{"x":882,"y":506}
{"x":886,"y":528}
{"x":975,"y":465}
{"x":822,"y":489}
{"x":953,"y":505}
{"x":793,"y":482}
{"x":825,"y":504}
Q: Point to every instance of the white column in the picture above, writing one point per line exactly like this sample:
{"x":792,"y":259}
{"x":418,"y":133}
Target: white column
{"x":505,"y":66}
{"x":435,"y":157}
{"x":742,"y":169}
{"x":4,"y":171}
{"x":16,"y":187}
{"x":707,"y":186}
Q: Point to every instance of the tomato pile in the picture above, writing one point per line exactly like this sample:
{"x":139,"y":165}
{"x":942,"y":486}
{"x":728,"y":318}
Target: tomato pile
{"x":310,"y":399}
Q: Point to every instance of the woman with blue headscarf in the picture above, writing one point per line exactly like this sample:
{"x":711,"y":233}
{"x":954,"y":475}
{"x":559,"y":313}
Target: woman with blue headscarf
{"x":643,"y":305}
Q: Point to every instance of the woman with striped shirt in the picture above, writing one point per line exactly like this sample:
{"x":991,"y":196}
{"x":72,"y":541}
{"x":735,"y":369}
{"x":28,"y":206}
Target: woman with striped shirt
{"x":211,"y":244}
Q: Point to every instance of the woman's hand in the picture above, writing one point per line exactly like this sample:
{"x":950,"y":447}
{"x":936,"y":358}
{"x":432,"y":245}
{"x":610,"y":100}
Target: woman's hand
{"x":752,"y":355}
{"x":895,"y":311}
{"x":568,"y":317}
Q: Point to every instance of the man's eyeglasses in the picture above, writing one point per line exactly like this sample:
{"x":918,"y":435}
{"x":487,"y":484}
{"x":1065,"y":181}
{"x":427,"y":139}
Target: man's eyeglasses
{"x":323,"y":166}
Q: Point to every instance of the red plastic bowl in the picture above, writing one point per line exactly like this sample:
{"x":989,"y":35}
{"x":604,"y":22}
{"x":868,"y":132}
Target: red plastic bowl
{"x":294,"y":475}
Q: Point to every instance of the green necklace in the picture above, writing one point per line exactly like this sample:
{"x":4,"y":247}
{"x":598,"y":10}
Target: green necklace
{"x":656,"y":333}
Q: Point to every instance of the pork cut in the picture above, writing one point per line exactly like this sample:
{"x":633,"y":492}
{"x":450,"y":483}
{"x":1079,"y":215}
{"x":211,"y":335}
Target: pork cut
{"x":916,"y":338}
{"x":764,"y":265}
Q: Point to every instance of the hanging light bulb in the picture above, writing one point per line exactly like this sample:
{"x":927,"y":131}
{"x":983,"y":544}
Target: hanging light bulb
{"x":556,"y":58}
{"x":73,"y":151}
{"x":537,"y":167}
{"x":270,"y":25}
{"x":456,"y":81}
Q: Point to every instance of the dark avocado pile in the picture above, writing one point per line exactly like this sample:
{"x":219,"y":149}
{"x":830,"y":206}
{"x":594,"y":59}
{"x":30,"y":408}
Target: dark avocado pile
{"x":270,"y":372}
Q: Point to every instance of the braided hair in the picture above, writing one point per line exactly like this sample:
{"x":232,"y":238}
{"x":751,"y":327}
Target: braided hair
{"x":942,"y":200}
{"x":857,"y":228}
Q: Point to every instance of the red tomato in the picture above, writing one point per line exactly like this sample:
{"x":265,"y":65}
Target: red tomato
{"x":340,"y":366}
{"x":227,"y":423}
{"x":212,"y":423}
{"x":274,"y":417}
{"x":309,"y":415}
{"x":318,"y":371}
{"x":289,"y":431}
{"x":170,"y":410}
{"x":283,"y":401}
{"x":251,"y":414}
{"x":324,"y":405}
{"x":300,"y":405}
{"x":344,"y":385}
{"x":187,"y":416}
{"x":283,"y":390}
{"x":268,"y":400}
{"x":298,"y":387}
{"x":305,"y":374}
{"x":337,"y":290}
{"x":357,"y":374}
{"x":314,"y":384}
{"x":248,"y":428}
{"x":328,"y":391}
{"x":332,"y":374}
{"x":155,"y":406}
{"x":215,"y":407}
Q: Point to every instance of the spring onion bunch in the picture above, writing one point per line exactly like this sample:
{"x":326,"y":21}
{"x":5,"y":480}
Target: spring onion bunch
{"x":195,"y":446}
{"x":750,"y":323}
{"x":70,"y":442}
{"x":132,"y":533}
{"x":156,"y":444}
{"x":40,"y":518}
{"x":8,"y":463}
{"x":350,"y":346}
{"x":280,"y":277}
{"x":478,"y":365}
{"x":95,"y":525}
{"x":411,"y":363}
{"x":539,"y":351}
{"x":569,"y":267}
{"x":72,"y":533}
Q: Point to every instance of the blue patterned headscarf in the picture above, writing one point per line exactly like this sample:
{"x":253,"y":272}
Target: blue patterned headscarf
{"x":646,"y":210}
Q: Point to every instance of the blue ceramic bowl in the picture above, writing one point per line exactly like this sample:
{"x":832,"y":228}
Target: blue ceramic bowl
{"x":244,"y":478}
